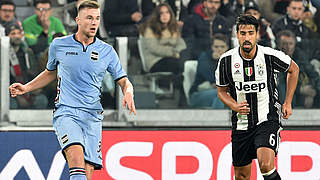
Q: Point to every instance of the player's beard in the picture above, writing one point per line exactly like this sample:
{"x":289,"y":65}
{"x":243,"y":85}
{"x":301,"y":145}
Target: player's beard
{"x":247,"y":50}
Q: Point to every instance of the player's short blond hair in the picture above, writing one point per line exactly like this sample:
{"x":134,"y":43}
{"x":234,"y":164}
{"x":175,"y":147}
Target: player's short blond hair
{"x":91,"y":4}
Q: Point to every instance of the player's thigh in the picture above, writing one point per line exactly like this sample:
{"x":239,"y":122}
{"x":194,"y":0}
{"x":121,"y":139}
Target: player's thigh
{"x":243,"y":150}
{"x":267,"y":143}
{"x":242,"y":172}
{"x":68,"y":131}
{"x":92,"y":140}
{"x":268,"y":135}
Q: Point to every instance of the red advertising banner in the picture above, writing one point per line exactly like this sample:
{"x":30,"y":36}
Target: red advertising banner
{"x":199,"y":155}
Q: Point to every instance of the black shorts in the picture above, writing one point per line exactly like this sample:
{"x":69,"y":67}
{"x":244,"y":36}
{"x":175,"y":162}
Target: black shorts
{"x":245,"y":144}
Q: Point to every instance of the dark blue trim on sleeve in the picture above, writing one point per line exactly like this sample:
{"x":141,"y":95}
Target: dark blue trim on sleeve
{"x":120,"y":78}
{"x":51,"y":70}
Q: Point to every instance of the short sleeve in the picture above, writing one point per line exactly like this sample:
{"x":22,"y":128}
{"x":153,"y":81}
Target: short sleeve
{"x":115,"y":67}
{"x":52,"y":59}
{"x":221,"y":73}
{"x":280,"y":61}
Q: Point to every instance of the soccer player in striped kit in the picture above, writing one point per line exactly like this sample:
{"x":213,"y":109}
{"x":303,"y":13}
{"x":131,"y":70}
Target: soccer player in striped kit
{"x":246,"y":83}
{"x":80,"y":62}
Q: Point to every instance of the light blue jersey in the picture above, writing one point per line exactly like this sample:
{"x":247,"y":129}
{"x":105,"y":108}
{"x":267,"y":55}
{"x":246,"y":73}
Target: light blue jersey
{"x":81,"y":70}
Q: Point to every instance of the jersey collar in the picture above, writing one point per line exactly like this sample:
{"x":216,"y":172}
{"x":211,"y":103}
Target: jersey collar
{"x":255,"y":55}
{"x":83,"y":47}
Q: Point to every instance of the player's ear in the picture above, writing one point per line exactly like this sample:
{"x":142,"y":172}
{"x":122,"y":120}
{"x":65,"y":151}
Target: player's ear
{"x":77,"y":19}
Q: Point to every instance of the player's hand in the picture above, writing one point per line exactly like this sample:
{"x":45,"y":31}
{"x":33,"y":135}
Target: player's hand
{"x":129,"y":102}
{"x":242,"y":108}
{"x":286,"y":110}
{"x":17,"y":89}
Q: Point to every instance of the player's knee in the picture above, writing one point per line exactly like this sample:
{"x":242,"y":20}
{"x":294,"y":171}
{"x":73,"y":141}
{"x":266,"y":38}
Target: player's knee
{"x":242,"y":176}
{"x":266,"y":166}
{"x":75,"y":159}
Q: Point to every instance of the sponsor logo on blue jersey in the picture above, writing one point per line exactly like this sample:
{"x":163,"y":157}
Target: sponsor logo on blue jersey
{"x":71,"y":53}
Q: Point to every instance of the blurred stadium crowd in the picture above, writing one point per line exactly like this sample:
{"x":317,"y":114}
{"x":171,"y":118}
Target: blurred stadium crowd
{"x":173,"y":45}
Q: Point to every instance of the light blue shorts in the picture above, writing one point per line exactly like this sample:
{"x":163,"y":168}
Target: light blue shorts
{"x":74,"y":126}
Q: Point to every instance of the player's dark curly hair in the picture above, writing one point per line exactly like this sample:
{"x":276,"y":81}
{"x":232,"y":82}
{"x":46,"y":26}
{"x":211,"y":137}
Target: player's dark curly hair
{"x":246,"y":19}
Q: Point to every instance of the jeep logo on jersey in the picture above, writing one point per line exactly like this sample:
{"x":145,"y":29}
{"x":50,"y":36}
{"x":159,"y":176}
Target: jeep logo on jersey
{"x":251,"y":86}
{"x":248,"y":71}
{"x":94,"y":55}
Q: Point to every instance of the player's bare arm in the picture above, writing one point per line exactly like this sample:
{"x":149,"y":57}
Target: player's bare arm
{"x":127,"y":90}
{"x":38,"y":82}
{"x":242,"y":108}
{"x":292,"y":80}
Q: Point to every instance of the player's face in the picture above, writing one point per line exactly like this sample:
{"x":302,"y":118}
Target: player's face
{"x":88,"y":21}
{"x":164,"y":15}
{"x":295,"y":10}
{"x":247,"y":37}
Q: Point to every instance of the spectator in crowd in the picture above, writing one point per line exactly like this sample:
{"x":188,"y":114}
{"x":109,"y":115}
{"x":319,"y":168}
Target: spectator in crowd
{"x":267,"y":9}
{"x":70,"y":12}
{"x":265,"y":34}
{"x":40,"y":27}
{"x":306,"y":90}
{"x":231,"y":9}
{"x":192,"y":4}
{"x":23,"y":68}
{"x":50,"y":91}
{"x":308,"y":20}
{"x":292,"y":21}
{"x":203,"y":92}
{"x":280,"y":6}
{"x":162,"y":43}
{"x":199,"y":27}
{"x":316,"y":19}
{"x":7,"y":13}
{"x":121,"y":17}
{"x":179,"y":8}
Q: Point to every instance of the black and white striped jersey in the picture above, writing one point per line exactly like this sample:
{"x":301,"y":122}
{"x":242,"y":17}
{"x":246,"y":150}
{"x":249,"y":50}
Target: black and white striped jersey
{"x":254,"y":81}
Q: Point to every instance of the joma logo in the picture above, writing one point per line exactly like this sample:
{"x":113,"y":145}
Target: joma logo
{"x":251,"y":86}
{"x":71,"y":53}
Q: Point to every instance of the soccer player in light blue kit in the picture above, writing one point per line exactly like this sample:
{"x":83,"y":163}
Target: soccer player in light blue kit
{"x":80,"y":62}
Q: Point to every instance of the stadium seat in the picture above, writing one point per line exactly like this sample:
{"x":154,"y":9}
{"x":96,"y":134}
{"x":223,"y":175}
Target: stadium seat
{"x":154,"y":76}
{"x":22,"y":2}
{"x":23,"y":12}
{"x":190,"y":69}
